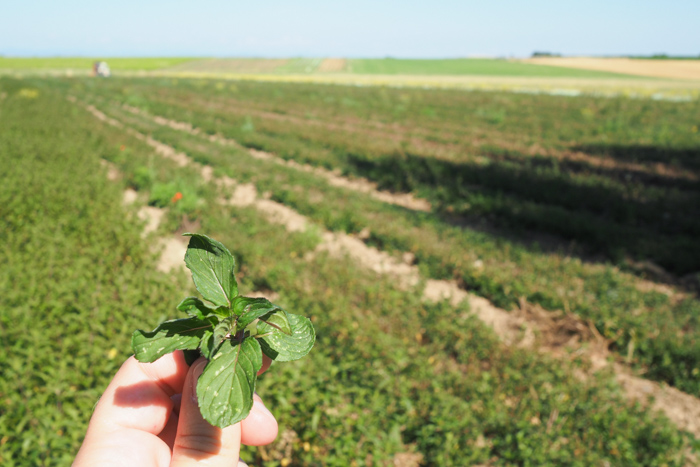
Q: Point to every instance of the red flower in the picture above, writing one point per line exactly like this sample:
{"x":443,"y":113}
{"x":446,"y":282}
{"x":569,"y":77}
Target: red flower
{"x":177,"y":197}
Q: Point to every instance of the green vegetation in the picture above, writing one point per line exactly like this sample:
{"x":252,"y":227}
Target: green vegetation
{"x":76,"y":277}
{"x":489,"y":251}
{"x":470,"y":66}
{"x":84,"y":63}
{"x":392,"y":375}
{"x":232,"y":333}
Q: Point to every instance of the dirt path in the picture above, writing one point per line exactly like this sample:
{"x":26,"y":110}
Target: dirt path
{"x":172,"y":248}
{"x":329,"y":65}
{"x":674,"y":69}
{"x":530,"y":326}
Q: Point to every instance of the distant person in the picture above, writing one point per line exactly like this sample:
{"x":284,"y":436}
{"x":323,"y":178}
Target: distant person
{"x":149,"y":417}
{"x":103,"y":70}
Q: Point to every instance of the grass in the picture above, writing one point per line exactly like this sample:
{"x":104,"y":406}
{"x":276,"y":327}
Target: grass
{"x":470,"y":66}
{"x":115,"y":63}
{"x":76,"y":276}
{"x":425,"y":379}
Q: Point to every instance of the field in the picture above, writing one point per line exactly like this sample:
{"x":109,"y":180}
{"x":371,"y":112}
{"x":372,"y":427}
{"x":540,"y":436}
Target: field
{"x":666,"y":68}
{"x":495,"y":278}
{"x":479,"y":67}
{"x":85,"y":64}
{"x":476,"y":67}
{"x":656,"y":79}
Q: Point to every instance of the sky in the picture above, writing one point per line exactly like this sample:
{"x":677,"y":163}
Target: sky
{"x":358,"y":28}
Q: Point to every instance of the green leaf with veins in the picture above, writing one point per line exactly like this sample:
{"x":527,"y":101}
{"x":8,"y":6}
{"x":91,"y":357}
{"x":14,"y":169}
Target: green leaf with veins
{"x":196,"y":308}
{"x":207,"y":345}
{"x":210,"y":342}
{"x":285,"y":348}
{"x":278,"y":319}
{"x":225,"y":388}
{"x":266,"y":312}
{"x":179,"y":334}
{"x":212,"y":268}
{"x":243,"y":304}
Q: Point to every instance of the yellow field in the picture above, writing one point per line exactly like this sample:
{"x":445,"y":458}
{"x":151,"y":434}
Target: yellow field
{"x":674,"y":69}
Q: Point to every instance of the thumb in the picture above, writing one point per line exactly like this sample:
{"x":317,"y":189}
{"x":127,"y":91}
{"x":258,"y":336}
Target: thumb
{"x":197,"y":440}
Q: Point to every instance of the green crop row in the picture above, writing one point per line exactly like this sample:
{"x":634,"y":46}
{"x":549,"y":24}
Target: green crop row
{"x":615,"y":201}
{"x":470,"y":66}
{"x":662,"y":331}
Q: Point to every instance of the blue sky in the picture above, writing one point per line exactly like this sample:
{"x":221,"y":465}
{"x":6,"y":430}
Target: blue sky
{"x":358,"y":28}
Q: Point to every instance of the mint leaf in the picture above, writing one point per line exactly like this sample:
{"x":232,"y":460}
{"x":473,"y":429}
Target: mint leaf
{"x":277,"y":319}
{"x":198,"y":309}
{"x":242,"y":305}
{"x":212,"y":340}
{"x":194,"y":307}
{"x":285,"y":348}
{"x":225,"y":388}
{"x":191,"y":356}
{"x":232,"y":333}
{"x":207,"y":345}
{"x":265,"y":311}
{"x":212,"y":268}
{"x":179,"y":334}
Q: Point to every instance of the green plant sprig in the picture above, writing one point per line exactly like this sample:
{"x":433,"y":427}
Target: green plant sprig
{"x":232,"y":332}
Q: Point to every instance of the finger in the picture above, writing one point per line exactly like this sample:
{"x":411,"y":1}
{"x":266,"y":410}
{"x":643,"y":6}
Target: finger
{"x":260,"y":426}
{"x":267,"y":361}
{"x":196,"y":439}
{"x":133,"y":410}
{"x":170,"y":431}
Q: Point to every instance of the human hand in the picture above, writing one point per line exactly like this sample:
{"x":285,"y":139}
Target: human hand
{"x":148,"y":416}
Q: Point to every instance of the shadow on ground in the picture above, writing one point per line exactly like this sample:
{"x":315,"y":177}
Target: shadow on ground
{"x":687,"y":158}
{"x":632,"y":219}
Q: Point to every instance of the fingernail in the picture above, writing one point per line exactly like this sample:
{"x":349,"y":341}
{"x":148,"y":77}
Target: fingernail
{"x":241,"y":463}
{"x":196,"y":370}
{"x":260,"y":407}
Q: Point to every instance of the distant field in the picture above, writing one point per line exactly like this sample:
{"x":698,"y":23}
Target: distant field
{"x":250,"y":65}
{"x":469,"y":66}
{"x":448,"y":67}
{"x":61,"y":63}
{"x":660,"y":68}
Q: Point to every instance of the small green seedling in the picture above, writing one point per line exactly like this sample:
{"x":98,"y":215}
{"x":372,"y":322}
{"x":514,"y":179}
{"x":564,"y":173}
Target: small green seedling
{"x":232,"y":333}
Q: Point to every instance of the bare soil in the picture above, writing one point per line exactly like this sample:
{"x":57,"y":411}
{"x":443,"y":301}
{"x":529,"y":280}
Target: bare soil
{"x":172,"y":256}
{"x":332,"y":65}
{"x":231,"y":65}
